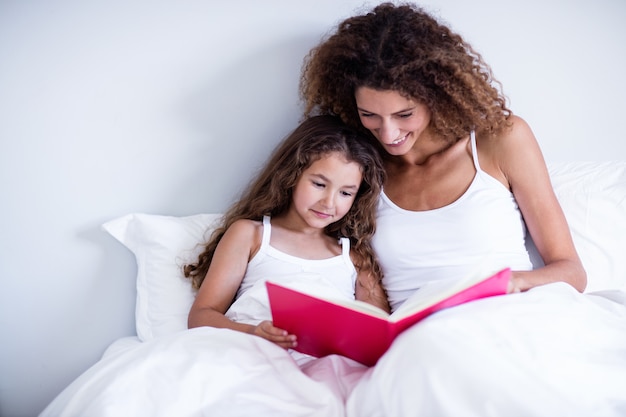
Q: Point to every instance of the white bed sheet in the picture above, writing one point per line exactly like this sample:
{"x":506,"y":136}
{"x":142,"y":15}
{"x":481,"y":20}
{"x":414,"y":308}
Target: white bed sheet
{"x":207,"y":372}
{"x":548,"y":352}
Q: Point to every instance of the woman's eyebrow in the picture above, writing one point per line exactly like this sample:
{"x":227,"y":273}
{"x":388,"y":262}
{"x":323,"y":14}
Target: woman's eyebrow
{"x":397,"y":112}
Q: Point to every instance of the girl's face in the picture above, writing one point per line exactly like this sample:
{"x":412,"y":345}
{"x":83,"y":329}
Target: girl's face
{"x":397,"y":122}
{"x":326,"y":190}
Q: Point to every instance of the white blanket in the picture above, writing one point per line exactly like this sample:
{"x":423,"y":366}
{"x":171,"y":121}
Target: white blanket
{"x":208,"y":372}
{"x":548,"y":352}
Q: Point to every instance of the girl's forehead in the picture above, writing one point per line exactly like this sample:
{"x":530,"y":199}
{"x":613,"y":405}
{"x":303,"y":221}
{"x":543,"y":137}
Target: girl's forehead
{"x":334,"y":161}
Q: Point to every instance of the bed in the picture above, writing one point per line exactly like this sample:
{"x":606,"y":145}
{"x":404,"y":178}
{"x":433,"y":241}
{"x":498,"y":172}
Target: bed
{"x":547,"y":352}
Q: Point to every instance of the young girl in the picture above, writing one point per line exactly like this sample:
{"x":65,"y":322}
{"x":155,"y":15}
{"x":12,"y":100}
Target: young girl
{"x":307,"y":220}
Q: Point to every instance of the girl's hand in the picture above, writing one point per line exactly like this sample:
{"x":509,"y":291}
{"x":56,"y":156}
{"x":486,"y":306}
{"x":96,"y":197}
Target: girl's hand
{"x":266,"y":330}
{"x":517,"y":283}
{"x":513,"y":288}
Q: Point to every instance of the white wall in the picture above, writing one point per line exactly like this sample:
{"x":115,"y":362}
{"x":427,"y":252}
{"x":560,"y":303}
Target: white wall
{"x":167,"y":107}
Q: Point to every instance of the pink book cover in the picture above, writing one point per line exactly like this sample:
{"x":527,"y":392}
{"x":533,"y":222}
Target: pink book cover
{"x":360,"y":331}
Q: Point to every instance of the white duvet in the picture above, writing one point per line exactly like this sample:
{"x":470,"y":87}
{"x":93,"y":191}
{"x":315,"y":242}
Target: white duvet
{"x":548,"y":352}
{"x":206,"y":372}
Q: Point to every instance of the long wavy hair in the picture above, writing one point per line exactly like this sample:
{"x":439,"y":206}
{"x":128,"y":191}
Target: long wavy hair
{"x":403,"y":48}
{"x":271,"y":192}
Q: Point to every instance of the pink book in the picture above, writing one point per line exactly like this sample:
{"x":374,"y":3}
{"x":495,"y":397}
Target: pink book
{"x":360,"y":330}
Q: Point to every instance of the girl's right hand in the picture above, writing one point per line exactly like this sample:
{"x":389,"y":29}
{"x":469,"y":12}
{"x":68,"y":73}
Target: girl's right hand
{"x":268,"y":331}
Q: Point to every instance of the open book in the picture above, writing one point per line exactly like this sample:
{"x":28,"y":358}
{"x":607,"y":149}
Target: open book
{"x":360,"y":330}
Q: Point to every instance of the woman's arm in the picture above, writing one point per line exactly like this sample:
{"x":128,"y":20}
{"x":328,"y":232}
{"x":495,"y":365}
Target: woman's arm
{"x":370,"y":289}
{"x":220,"y":285}
{"x":516,"y":159}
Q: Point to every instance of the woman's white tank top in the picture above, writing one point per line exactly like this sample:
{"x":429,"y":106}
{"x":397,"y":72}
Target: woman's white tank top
{"x":482,"y":231}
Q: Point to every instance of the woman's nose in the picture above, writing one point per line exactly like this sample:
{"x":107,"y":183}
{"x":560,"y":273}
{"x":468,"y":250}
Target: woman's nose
{"x":388,"y":132}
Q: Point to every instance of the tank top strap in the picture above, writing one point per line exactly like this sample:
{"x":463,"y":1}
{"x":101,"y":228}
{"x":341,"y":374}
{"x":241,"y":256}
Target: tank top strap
{"x":474,"y":151}
{"x":345,"y":247}
{"x":267,"y":231}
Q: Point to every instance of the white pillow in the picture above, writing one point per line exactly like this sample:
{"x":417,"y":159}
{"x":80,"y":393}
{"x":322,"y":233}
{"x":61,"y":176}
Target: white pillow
{"x":162,"y":245}
{"x":593,"y":198}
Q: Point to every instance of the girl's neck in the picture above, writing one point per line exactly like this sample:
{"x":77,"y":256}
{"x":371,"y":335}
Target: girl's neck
{"x":294,"y":224}
{"x":298,"y":239}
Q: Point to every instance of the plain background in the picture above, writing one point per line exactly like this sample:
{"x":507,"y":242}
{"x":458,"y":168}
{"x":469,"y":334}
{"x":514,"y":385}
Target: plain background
{"x":169,"y":107}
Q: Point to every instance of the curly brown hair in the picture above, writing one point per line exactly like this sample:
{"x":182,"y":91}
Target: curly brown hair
{"x":403,"y":48}
{"x":271,"y":192}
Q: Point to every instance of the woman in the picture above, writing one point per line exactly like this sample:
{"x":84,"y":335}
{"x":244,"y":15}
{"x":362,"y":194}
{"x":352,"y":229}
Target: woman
{"x":465,"y":181}
{"x":430,"y":101}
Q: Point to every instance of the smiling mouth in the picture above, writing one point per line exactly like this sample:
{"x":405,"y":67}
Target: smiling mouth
{"x":398,"y":141}
{"x":322,"y":214}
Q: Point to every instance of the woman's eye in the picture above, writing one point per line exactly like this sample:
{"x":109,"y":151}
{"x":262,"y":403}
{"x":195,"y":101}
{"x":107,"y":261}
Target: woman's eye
{"x":318,"y":184}
{"x":346,"y":194}
{"x":405,"y":115}
{"x":366,"y":114}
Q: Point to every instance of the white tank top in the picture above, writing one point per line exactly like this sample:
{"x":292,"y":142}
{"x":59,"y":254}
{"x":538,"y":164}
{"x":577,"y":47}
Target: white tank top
{"x":333,"y":277}
{"x":482,"y":231}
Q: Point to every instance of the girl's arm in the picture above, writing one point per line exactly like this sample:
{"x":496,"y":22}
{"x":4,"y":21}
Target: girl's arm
{"x":516,"y":159}
{"x":223,"y":279}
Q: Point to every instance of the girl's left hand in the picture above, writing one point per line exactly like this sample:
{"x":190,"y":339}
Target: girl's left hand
{"x":515,"y":284}
{"x":267,"y":330}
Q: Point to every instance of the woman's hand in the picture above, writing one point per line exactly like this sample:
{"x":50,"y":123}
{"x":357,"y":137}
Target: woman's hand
{"x":268,"y":331}
{"x":516,"y":160}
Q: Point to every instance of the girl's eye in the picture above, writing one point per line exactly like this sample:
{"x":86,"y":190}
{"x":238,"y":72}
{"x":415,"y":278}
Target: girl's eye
{"x":346,"y":194}
{"x":318,"y":184}
{"x":405,"y":115}
{"x":366,"y":114}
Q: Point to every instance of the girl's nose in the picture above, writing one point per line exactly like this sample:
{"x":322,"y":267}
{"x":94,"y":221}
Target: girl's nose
{"x":328,"y":200}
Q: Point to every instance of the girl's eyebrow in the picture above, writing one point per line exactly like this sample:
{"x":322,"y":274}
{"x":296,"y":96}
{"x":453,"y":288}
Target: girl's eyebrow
{"x":324,"y":178}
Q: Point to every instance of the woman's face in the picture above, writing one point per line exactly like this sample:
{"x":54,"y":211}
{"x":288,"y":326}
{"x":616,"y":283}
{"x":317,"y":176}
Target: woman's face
{"x":397,"y":122}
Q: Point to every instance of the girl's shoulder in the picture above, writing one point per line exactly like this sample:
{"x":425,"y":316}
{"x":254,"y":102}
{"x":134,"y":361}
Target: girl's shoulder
{"x":247,"y":223}
{"x":244,"y":234}
{"x":245,"y":229}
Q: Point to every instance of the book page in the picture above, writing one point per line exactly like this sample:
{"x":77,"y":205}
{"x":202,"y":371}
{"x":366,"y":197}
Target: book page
{"x":316,"y":291}
{"x":434,"y":292}
{"x":427,"y":294}
{"x":358,"y":305}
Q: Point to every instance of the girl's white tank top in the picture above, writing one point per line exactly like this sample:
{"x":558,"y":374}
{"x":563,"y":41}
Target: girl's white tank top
{"x":333,"y":277}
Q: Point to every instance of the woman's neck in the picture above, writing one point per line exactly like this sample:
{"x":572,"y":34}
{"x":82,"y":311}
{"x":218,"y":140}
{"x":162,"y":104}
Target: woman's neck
{"x":428,"y":149}
{"x":439,"y":180}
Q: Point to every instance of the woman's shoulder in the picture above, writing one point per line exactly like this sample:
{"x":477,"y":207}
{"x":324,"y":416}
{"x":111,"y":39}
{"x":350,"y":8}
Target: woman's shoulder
{"x":516,"y":142}
{"x":509,"y":150}
{"x":516,"y":131}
